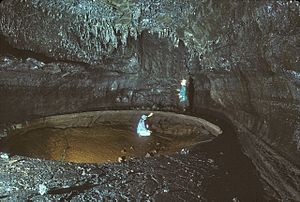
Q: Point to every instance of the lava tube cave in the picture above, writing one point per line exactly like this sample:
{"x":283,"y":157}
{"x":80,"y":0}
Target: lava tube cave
{"x":214,"y":86}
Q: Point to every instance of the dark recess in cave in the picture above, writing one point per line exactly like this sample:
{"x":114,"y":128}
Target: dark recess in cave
{"x":241,"y":59}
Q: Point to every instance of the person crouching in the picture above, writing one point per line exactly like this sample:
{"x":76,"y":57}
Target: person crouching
{"x":143,"y":127}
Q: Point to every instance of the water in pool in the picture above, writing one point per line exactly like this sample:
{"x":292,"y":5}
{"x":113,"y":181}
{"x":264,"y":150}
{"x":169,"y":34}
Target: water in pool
{"x":100,"y":144}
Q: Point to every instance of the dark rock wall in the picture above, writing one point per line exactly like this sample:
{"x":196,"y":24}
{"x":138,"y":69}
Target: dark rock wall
{"x":242,"y":55}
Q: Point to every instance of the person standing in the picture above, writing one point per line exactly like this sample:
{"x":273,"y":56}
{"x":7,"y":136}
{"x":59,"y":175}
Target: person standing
{"x":183,"y":98}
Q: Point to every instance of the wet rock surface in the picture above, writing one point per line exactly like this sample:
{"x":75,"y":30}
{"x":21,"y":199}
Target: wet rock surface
{"x":242,"y":56}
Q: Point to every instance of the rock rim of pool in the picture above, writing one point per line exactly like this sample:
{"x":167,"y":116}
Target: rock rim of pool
{"x":171,"y":126}
{"x":162,"y":122}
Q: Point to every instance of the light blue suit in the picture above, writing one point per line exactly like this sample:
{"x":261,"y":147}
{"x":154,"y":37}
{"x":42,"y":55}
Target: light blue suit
{"x":182,"y":94}
{"x":141,"y":128}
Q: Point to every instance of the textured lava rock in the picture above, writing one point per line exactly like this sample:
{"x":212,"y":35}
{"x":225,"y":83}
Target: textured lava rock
{"x":242,"y":55}
{"x":137,"y":179}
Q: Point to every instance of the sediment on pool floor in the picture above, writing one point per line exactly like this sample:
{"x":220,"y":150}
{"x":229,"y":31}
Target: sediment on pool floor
{"x":107,"y":136}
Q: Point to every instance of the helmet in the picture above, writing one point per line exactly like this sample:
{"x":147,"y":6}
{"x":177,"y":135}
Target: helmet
{"x":183,"y":82}
{"x":144,"y":117}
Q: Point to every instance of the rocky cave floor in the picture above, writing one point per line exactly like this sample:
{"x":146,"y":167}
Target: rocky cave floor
{"x":215,"y":171}
{"x":242,"y":55}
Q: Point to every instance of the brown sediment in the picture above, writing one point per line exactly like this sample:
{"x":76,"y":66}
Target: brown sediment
{"x":104,"y":136}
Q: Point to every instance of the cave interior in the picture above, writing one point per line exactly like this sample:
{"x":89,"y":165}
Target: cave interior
{"x":77,"y":76}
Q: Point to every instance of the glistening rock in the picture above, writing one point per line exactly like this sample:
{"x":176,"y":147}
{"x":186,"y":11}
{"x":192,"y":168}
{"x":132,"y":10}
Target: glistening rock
{"x":243,"y":58}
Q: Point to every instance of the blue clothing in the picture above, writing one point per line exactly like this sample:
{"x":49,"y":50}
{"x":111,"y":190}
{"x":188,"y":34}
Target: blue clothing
{"x":182,"y":94}
{"x":141,"y":128}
